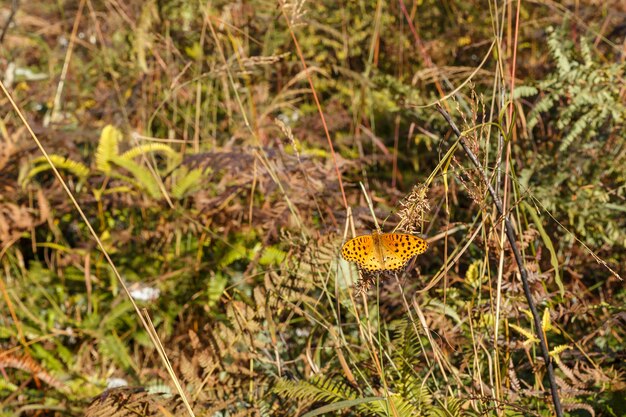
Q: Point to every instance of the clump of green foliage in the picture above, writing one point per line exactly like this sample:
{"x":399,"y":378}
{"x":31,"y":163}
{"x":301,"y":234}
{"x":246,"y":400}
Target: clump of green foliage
{"x":581,"y":106}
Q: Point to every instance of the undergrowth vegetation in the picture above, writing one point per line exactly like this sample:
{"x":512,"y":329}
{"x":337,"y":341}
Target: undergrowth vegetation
{"x":222,"y":152}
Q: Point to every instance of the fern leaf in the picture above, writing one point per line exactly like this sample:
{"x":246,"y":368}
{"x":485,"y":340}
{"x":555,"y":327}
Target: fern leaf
{"x":585,"y":52}
{"x":111,"y":346}
{"x":543,"y":105}
{"x":41,"y":164}
{"x":317,"y":389}
{"x":28,"y":364}
{"x":272,"y":256}
{"x":473,"y":277}
{"x":340,"y":405}
{"x":236,"y":252}
{"x":576,"y":130}
{"x":188,"y":182}
{"x":215,"y":289}
{"x":107,"y":148}
{"x":523,"y":91}
{"x":530,"y":337}
{"x":559,"y":53}
{"x":557,"y":350}
{"x":7,"y":386}
{"x":144,"y":178}
{"x":403,"y":407}
{"x":449,"y":410}
{"x":149,"y":148}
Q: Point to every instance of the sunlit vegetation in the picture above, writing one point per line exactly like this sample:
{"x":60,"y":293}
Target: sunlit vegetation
{"x":221,"y":154}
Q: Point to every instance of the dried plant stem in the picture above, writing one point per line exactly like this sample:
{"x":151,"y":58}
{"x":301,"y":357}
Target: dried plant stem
{"x":315,"y":97}
{"x":510,"y":234}
{"x":14,"y":5}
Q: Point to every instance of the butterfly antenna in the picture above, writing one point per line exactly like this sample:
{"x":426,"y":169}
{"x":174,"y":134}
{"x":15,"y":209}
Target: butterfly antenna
{"x":370,"y":205}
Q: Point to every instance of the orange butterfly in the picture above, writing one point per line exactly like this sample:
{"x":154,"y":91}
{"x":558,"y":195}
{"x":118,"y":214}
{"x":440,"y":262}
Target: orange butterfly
{"x":380,"y":252}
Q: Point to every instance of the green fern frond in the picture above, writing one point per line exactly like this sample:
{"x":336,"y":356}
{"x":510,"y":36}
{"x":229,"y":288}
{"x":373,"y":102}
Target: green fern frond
{"x":110,"y":345}
{"x":188,"y":182}
{"x":585,"y":52}
{"x":524,"y":91}
{"x":149,"y":148}
{"x":341,"y":405}
{"x":236,"y":252}
{"x":316,"y":389}
{"x":215,"y":289}
{"x":587,"y":88}
{"x":558,"y":50}
{"x":143,"y":178}
{"x":7,"y":386}
{"x":542,"y":106}
{"x":530,"y":337}
{"x":413,"y":389}
{"x":272,"y":256}
{"x":405,"y":342}
{"x":51,"y":361}
{"x":576,"y":131}
{"x":438,"y":412}
{"x":383,"y":408}
{"x":473,"y":276}
{"x":557,"y":350}
{"x":108,"y":148}
{"x":452,"y":408}
{"x":406,"y":354}
{"x":80,"y":170}
{"x":441,"y":308}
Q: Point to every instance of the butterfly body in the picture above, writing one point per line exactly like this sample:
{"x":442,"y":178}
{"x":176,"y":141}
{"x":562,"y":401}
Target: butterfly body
{"x":380,"y":252}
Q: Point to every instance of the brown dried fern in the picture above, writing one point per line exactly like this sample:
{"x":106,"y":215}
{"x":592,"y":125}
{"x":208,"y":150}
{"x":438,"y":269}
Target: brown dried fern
{"x":28,"y":364}
{"x":132,"y":402}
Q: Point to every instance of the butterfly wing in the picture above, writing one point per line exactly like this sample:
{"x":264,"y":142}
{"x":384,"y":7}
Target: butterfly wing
{"x":361,"y":250}
{"x":399,"y":248}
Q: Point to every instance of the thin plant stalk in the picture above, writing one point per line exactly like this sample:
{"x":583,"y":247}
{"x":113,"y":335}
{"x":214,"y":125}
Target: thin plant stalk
{"x":512,"y":238}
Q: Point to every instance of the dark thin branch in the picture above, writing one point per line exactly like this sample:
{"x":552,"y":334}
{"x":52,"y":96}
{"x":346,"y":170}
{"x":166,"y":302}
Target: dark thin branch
{"x":14,"y":5}
{"x":510,"y":234}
